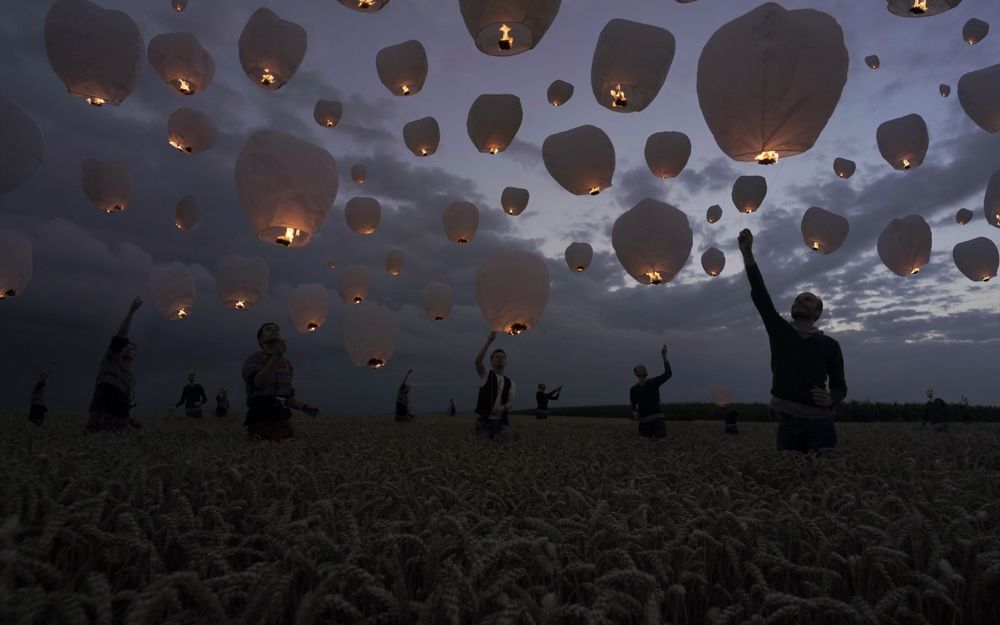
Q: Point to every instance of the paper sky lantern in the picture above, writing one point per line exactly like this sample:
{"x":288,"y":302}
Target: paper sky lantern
{"x":722,"y":396}
{"x":15,"y":263}
{"x":823,"y":231}
{"x":920,"y":8}
{"x":873,"y":61}
{"x":579,"y":256}
{"x":667,"y":153}
{"x":181,"y":62}
{"x":363,"y":214}
{"x":844,"y":168}
{"x":187,"y":214}
{"x":494,"y":119}
{"x":271,"y":49}
{"x":559,"y":92}
{"x":173,"y":290}
{"x":512,"y":289}
{"x":748,"y":193}
{"x":581,"y":160}
{"x":191,"y":131}
{"x":713,"y":261}
{"x":241,"y":281}
{"x":422,"y":136}
{"x":944,"y":90}
{"x":179,"y":5}
{"x":507,"y":27}
{"x":713,"y":214}
{"x":22,"y":148}
{"x":514,"y":200}
{"x":359,"y":173}
{"x":352,"y":284}
{"x":975,"y":31}
{"x":652,"y":241}
{"x":107,"y":184}
{"x":402,"y":68}
{"x":977,"y":259}
{"x":365,"y":6}
{"x":991,"y":203}
{"x":394,"y":263}
{"x":979,"y":95}
{"x":903,"y":141}
{"x":308,"y":306}
{"x":460,"y":220}
{"x":630,"y":63}
{"x":963,"y":216}
{"x":327,"y":113}
{"x":370,"y":335}
{"x":437,"y":300}
{"x":905,"y":245}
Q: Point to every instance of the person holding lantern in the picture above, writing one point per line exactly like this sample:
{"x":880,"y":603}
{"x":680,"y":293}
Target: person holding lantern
{"x":644,"y":398}
{"x":114,"y":390}
{"x":495,"y":396}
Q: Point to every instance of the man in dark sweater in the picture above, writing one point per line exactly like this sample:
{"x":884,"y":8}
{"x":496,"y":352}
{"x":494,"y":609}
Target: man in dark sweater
{"x":645,"y":400}
{"x":542,"y":400}
{"x":193,"y":396}
{"x":495,"y":396}
{"x":803,"y":359}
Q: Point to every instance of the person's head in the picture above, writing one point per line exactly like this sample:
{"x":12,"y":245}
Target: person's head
{"x":268,"y":333}
{"x":498,"y":360}
{"x":807,"y":307}
{"x":128,"y":352}
{"x":191,"y":377}
{"x":44,"y":376}
{"x":541,"y":386}
{"x":640,"y":372}
{"x":930,"y":393}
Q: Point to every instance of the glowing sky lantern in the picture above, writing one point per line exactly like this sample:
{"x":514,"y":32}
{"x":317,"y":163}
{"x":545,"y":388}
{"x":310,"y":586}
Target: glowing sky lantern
{"x":394,"y":263}
{"x":579,"y":256}
{"x":512,"y":289}
{"x":822,"y":231}
{"x":974,"y":31}
{"x":507,"y":27}
{"x":352,"y":284}
{"x":286,"y":187}
{"x":327,"y":113}
{"x":107,"y":184}
{"x":979,"y":95}
{"x":494,"y":119}
{"x":173,"y":290}
{"x":181,"y":62}
{"x":96,"y":52}
{"x":460,"y":220}
{"x":514,"y":200}
{"x":944,"y":90}
{"x":308,"y":306}
{"x":370,"y":335}
{"x":963,"y":216}
{"x":365,"y":6}
{"x":559,"y":92}
{"x":271,"y":49}
{"x":15,"y":264}
{"x":769,"y":81}
{"x":437,"y":300}
{"x":748,"y":193}
{"x":903,"y":141}
{"x":359,"y":173}
{"x":581,"y":160}
{"x":331,"y":263}
{"x":722,"y":396}
{"x":873,"y":61}
{"x":713,"y":261}
{"x":905,"y":245}
{"x":22,"y":148}
{"x":422,"y":136}
{"x":191,"y":131}
{"x":977,"y":259}
{"x":241,"y":281}
{"x":187,"y":214}
{"x":178,"y":5}
{"x":667,"y":153}
{"x":843,"y":167}
{"x":402,"y":68}
{"x":713,"y":214}
{"x":920,"y":8}
{"x":652,"y":241}
{"x":991,"y":203}
{"x":630,"y":63}
{"x":363,"y":214}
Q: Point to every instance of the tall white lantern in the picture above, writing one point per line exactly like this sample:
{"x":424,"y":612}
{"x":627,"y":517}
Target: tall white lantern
{"x":394,"y":262}
{"x":652,"y":241}
{"x":977,"y":259}
{"x":271,"y":49}
{"x":327,"y":113}
{"x":903,"y":141}
{"x":823,"y":231}
{"x":963,"y":216}
{"x":370,"y":335}
{"x":352,"y":284}
{"x":748,"y":193}
{"x":579,"y":256}
{"x":437,"y":300}
{"x":241,"y":281}
{"x":363,"y":214}
{"x":22,"y":149}
{"x":308,"y":306}
{"x":514,"y":200}
{"x":402,"y":68}
{"x":181,"y":62}
{"x":173,"y":290}
{"x":581,"y":160}
{"x":191,"y":131}
{"x":187,"y":214}
{"x":359,"y":173}
{"x":422,"y":136}
{"x":667,"y":153}
{"x":872,"y":61}
{"x":460,"y":220}
{"x":844,"y":168}
{"x":630,"y":64}
{"x":559,"y":92}
{"x":905,"y":245}
{"x":107,"y":184}
{"x":713,"y":261}
{"x":512,"y":289}
{"x":974,"y":31}
{"x":494,"y":119}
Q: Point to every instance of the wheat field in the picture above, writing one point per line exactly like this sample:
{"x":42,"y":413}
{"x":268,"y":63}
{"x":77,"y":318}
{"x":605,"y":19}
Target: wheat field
{"x":362,"y":520}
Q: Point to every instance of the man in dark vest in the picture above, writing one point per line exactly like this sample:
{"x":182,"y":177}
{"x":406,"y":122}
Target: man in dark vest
{"x":645,"y":399}
{"x":192,"y":396}
{"x":542,"y":400}
{"x":496,"y":395}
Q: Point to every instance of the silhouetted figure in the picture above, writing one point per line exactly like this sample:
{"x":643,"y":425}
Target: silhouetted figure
{"x":222,"y":403}
{"x":496,"y":395}
{"x":644,"y":398}
{"x":403,"y":400}
{"x":451,"y":407}
{"x":936,"y":412}
{"x":730,"y":420}
{"x":542,"y":400}
{"x":270,"y":395}
{"x":114,"y":390}
{"x":36,"y":414}
{"x":193,"y":396}
{"x":963,"y":408}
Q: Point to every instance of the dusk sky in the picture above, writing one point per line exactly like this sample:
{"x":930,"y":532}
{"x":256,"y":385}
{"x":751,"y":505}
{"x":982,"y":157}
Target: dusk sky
{"x":899,"y":336}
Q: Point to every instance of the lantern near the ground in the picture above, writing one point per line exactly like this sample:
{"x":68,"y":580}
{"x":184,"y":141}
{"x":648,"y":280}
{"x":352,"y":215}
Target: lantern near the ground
{"x":22,"y":148}
{"x":872,"y":61}
{"x":514,"y":200}
{"x":979,"y":95}
{"x":748,"y":193}
{"x":944,"y":90}
{"x":365,"y":6}
{"x":581,"y":160}
{"x":394,"y":263}
{"x":181,"y":62}
{"x":977,"y":259}
{"x":363,"y":214}
{"x":241,"y":281}
{"x":507,"y":27}
{"x":173,"y":290}
{"x":107,"y":184}
{"x":370,"y":335}
{"x":559,"y":92}
{"x":359,"y":173}
{"x":722,"y":396}
{"x":512,"y":289}
{"x":494,"y":119}
{"x":903,"y":141}
{"x":187,"y":214}
{"x":652,"y":241}
{"x":308,"y":306}
{"x":920,"y":8}
{"x":713,"y":214}
{"x":179,"y":5}
{"x":713,"y":261}
{"x":667,"y":153}
{"x":352,"y":284}
{"x":963,"y":216}
{"x":460,"y":220}
{"x":630,"y":63}
{"x":271,"y":49}
{"x":191,"y":131}
{"x":422,"y":136}
{"x":437,"y":300}
{"x":15,"y":263}
{"x":905,"y":245}
{"x":579,"y":256}
{"x":327,"y":113}
{"x":286,"y":187}
{"x":844,"y":168}
{"x":823,"y":231}
{"x":991,"y":203}
{"x":402,"y":68}
{"x":769,"y":81}
{"x":96,"y":52}
{"x":974,"y":31}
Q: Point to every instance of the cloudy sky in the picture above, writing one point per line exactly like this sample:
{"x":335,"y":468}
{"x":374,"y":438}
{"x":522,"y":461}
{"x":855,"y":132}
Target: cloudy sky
{"x":898,"y":335}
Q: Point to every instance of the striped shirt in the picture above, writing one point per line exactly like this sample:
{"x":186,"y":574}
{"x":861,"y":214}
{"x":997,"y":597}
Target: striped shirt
{"x":115,"y":371}
{"x":280,"y":383}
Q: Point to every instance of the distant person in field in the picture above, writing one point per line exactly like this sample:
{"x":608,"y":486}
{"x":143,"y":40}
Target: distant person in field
{"x":114,"y":390}
{"x":496,"y":395}
{"x":36,"y":414}
{"x":403,"y":399}
{"x":963,"y":407}
{"x":936,"y":412}
{"x":644,"y":398}
{"x":270,"y":395}
{"x":803,"y":359}
{"x":222,"y":403}
{"x":542,"y":400}
{"x":730,"y":419}
{"x":451,"y":407}
{"x":192,"y":396}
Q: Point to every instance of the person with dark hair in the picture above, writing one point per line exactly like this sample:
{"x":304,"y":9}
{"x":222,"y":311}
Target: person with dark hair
{"x":270,"y":395}
{"x":542,"y":400}
{"x":36,"y":414}
{"x":644,"y":398}
{"x":936,"y":413}
{"x":403,"y":400}
{"x":192,"y":396}
{"x":731,"y":427}
{"x":222,"y":403}
{"x":114,"y":390}
{"x":451,"y":407}
{"x":496,"y":395}
{"x":803,"y":359}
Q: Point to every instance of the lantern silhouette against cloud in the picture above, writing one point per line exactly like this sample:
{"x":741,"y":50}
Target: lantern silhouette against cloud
{"x":713,"y":214}
{"x":107,"y":184}
{"x":905,"y":245}
{"x":271,"y":49}
{"x":460,"y":220}
{"x":363,"y":214}
{"x":823,"y":231}
{"x":241,"y":281}
{"x":559,"y":92}
{"x":22,"y":149}
{"x":713,"y":261}
{"x":327,"y":113}
{"x":286,"y":187}
{"x":667,"y":153}
{"x":873,"y":61}
{"x":422,"y":136}
{"x":920,"y":8}
{"x":308,"y":306}
{"x":187,"y":214}
{"x":181,"y":62}
{"x":352,"y":284}
{"x":365,"y":6}
{"x":652,"y":241}
{"x":630,"y":64}
{"x":974,"y":31}
{"x":991,"y":202}
{"x":512,"y":289}
{"x":903,"y":141}
{"x":370,"y":335}
{"x":579,"y":256}
{"x":173,"y":290}
{"x":494,"y":119}
{"x":963,"y":216}
{"x":844,"y":168}
{"x":979,"y":95}
{"x":437,"y":300}
{"x":944,"y":90}
{"x":514,"y":200}
{"x":179,"y":5}
{"x":977,"y":259}
{"x":507,"y":27}
{"x":359,"y":173}
{"x":394,"y":262}
{"x":581,"y":160}
{"x":191,"y":131}
{"x":748,"y":193}
{"x":15,"y":263}
{"x":402,"y":68}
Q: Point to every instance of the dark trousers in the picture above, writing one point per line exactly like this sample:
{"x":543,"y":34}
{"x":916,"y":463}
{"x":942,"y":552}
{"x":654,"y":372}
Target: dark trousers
{"x":798,"y":434}
{"x":37,"y":414}
{"x":268,"y":419}
{"x":653,"y":429}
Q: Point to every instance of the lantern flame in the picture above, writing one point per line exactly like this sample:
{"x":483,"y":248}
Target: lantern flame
{"x":288,"y":237}
{"x":654,"y":277}
{"x":906,"y":163}
{"x":95,"y":101}
{"x":767,"y":157}
{"x":181,"y":313}
{"x":460,"y":241}
{"x":178,"y":8}
{"x":330,"y":123}
{"x":178,"y":146}
{"x":713,"y":273}
{"x":8,"y":293}
{"x":267,"y":78}
{"x":113,"y":209}
{"x":439,"y":318}
{"x":815,"y":245}
{"x":240,"y":305}
{"x":366,"y":4}
{"x":516,"y":329}
{"x":358,"y":299}
{"x":506,"y":41}
{"x":494,"y":150}
{"x":915,"y":270}
{"x":405,"y":89}
{"x":179,"y":225}
{"x":620,"y":101}
{"x":312,"y":327}
{"x":424,"y":152}
{"x":919,"y":7}
{"x":595,"y":190}
{"x":986,"y":278}
{"x":376,"y":363}
{"x":184,"y":86}
{"x":580,"y":268}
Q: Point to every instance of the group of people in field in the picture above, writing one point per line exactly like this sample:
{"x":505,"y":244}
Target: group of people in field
{"x":807,"y":381}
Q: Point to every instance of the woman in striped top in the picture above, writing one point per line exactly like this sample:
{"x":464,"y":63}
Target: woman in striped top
{"x":270,"y":395}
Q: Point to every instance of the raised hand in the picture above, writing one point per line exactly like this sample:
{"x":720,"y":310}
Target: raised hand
{"x":821,"y":397}
{"x":745,"y":240}
{"x":134,"y":306}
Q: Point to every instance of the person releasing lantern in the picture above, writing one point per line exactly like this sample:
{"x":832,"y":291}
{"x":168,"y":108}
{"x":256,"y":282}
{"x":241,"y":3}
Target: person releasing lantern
{"x":581,"y":160}
{"x":512,"y":289}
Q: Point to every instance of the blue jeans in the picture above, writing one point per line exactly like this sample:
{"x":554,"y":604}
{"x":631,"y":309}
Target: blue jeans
{"x":798,"y":434}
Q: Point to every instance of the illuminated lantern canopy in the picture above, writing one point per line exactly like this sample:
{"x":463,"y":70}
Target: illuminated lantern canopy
{"x":286,"y":187}
{"x":844,"y":168}
{"x":507,"y":27}
{"x":559,"y":92}
{"x":22,"y":149}
{"x":944,"y":90}
{"x":722,"y":396}
{"x":581,"y":160}
{"x":823,"y":231}
{"x":365,"y":6}
{"x":107,"y":184}
{"x":975,"y":31}
{"x":438,"y":300}
{"x":713,"y":214}
{"x":359,"y":173}
{"x":181,"y":62}
{"x":394,"y":263}
{"x":493,"y":121}
{"x":977,"y":259}
{"x":179,"y":5}
{"x":905,"y":245}
{"x":422,"y":136}
{"x":903,"y":141}
{"x":652,"y":241}
{"x":920,"y":8}
{"x":630,"y":64}
{"x":402,"y":68}
{"x":96,"y":52}
{"x":331,"y":263}
{"x":963,"y":216}
{"x":271,"y":49}
{"x":241,"y":281}
{"x":578,"y":256}
{"x":512,"y":289}
{"x":979,"y":95}
{"x":328,"y":113}
{"x":352,"y":284}
{"x":748,"y":193}
{"x":769,"y":81}
{"x":370,"y":335}
{"x":667,"y":153}
{"x":991,"y":203}
{"x":15,"y":264}
{"x":514,"y":200}
{"x":173,"y":290}
{"x":308,"y":306}
{"x":363,"y":214}
{"x":872,"y":61}
{"x":187,"y":215}
{"x":461,"y":220}
{"x":713,"y":261}
{"x":191,"y":131}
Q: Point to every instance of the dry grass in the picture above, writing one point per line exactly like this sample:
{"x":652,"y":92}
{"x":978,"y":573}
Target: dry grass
{"x":578,"y":522}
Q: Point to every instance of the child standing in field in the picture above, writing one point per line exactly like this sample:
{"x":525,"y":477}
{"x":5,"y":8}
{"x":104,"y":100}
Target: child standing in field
{"x":270,"y":395}
{"x":114,"y":390}
{"x":496,"y":395}
{"x":644,"y":398}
